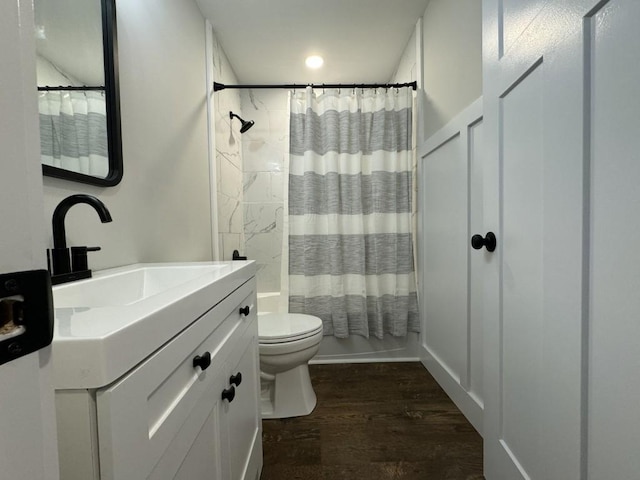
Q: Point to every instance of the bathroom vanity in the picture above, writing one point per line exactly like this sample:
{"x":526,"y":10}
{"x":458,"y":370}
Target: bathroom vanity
{"x":157,"y":375}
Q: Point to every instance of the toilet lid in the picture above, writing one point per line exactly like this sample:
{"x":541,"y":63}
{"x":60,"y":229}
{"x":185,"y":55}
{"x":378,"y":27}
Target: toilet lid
{"x":287,"y":327}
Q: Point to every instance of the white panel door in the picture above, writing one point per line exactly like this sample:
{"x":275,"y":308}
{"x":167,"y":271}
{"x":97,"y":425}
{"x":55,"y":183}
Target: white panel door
{"x":534,"y":348}
{"x":27,"y":421}
{"x":562,"y":116}
{"x":614,"y":308}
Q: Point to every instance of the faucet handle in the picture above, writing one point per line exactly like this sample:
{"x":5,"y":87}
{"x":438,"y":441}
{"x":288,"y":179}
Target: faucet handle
{"x":79,"y":261}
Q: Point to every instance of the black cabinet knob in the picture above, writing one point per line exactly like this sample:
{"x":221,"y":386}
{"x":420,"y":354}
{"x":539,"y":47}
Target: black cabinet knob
{"x":236,"y":379}
{"x":229,"y":394}
{"x":202,"y":361}
{"x":488,"y":241}
{"x":245,"y":311}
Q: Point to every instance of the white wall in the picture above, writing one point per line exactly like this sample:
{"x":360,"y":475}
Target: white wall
{"x":161,"y":209}
{"x":407,"y":69}
{"x":452,"y":62}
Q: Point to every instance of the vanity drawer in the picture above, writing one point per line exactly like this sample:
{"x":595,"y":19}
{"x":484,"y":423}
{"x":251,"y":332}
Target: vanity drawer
{"x":140,"y":415}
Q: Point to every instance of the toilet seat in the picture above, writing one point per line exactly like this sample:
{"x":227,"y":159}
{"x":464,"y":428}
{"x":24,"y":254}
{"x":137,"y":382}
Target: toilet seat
{"x":278,"y":328}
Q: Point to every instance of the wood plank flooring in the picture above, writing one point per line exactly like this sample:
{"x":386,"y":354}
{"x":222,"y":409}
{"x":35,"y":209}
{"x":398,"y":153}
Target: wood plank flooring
{"x":374,"y":421}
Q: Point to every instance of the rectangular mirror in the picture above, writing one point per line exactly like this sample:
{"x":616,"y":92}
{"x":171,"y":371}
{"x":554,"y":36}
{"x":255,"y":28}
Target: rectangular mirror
{"x":78,"y":100}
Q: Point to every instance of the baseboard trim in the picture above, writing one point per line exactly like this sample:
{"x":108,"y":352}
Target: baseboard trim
{"x":466,"y":402}
{"x":327,"y":361}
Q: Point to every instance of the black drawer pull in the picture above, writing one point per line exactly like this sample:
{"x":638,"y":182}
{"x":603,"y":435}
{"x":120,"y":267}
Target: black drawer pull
{"x":229,"y":394}
{"x":245,"y":311}
{"x":202,"y":361}
{"x":236,"y":379}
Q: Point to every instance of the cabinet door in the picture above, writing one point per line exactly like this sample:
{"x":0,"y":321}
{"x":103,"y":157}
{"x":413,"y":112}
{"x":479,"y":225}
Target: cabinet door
{"x":242,"y":415}
{"x":196,"y":450}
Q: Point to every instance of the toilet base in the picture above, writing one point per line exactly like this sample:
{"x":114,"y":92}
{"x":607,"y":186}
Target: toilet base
{"x":287,"y":394}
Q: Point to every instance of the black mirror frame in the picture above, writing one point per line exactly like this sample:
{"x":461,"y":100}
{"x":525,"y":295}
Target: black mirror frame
{"x":112,"y":92}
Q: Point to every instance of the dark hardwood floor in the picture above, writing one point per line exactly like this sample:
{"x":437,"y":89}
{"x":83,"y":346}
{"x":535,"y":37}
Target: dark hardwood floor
{"x":374,"y":421}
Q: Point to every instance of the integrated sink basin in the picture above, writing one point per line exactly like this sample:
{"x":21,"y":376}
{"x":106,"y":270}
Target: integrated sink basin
{"x":127,"y":286}
{"x":107,"y":324}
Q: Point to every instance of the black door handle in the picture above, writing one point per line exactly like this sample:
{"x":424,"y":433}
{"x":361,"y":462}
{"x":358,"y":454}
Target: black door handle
{"x":202,"y":361}
{"x":229,"y":393}
{"x":236,"y":379}
{"x":245,"y":311}
{"x":488,"y":241}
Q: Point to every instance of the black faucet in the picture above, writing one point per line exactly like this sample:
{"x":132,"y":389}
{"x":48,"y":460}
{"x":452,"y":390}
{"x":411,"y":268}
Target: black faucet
{"x":67,"y":267}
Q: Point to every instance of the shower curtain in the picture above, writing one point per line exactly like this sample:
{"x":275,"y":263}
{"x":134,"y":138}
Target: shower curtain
{"x":73,"y":131}
{"x":350,"y":248}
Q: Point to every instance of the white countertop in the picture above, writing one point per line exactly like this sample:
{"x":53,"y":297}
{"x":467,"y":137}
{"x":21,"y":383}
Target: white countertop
{"x":95,"y":344}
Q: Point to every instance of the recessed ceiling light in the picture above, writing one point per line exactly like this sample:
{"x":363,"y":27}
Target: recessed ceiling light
{"x":314,"y":61}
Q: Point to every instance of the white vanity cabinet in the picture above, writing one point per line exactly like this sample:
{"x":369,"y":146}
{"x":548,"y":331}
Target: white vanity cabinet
{"x":167,"y":418}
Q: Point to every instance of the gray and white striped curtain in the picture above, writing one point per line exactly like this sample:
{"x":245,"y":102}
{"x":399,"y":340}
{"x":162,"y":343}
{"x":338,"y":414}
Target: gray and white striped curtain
{"x":73,"y":131}
{"x":349,"y":218}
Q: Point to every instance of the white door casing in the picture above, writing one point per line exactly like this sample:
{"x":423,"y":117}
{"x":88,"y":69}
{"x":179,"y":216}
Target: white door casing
{"x":561,"y":98}
{"x":27,"y":422}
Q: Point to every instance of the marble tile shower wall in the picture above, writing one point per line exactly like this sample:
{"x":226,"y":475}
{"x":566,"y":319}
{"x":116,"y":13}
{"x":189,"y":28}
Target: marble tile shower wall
{"x":264,"y":150}
{"x":228,"y":143}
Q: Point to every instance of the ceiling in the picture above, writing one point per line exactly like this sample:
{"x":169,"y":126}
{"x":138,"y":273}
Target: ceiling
{"x":267,"y":41}
{"x":69,"y":35}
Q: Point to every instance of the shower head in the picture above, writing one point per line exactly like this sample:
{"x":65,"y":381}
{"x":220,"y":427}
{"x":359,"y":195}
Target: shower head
{"x":246,"y":125}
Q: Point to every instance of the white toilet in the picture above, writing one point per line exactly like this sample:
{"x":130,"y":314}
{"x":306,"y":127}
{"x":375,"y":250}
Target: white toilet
{"x":287,"y":342}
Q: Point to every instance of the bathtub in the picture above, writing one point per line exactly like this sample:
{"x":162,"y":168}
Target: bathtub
{"x":355,"y":349}
{"x":269,"y":302}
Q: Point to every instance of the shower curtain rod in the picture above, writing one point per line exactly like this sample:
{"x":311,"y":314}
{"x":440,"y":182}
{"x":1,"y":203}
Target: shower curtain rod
{"x":47,"y":88}
{"x":221,"y":86}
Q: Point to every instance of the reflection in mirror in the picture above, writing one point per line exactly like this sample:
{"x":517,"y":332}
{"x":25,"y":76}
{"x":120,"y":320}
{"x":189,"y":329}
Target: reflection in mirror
{"x":78,"y":90}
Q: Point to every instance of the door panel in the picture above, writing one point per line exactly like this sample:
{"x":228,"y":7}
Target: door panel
{"x":521,"y":276}
{"x":614,"y":416}
{"x":515,"y":17}
{"x":535,"y":342}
